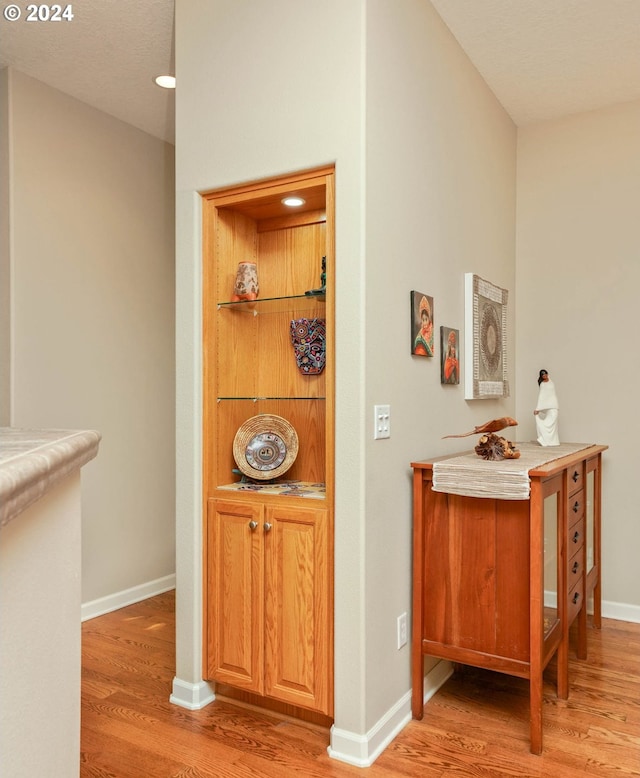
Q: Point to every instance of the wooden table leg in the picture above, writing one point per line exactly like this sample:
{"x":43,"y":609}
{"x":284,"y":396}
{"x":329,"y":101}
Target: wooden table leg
{"x":597,"y":603}
{"x":582,"y":632}
{"x":562,"y":656}
{"x":417,"y":658}
{"x":535,"y":714}
{"x":417,"y":690}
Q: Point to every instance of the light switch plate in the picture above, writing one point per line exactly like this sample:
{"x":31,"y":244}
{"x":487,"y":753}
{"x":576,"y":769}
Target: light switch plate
{"x":382,"y":420}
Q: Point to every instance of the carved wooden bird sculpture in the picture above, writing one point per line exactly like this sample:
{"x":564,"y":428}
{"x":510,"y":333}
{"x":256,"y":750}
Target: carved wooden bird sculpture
{"x":495,"y":425}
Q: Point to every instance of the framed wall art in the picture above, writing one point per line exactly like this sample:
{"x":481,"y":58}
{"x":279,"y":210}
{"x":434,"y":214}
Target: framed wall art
{"x":422,"y":325}
{"x":449,"y":356}
{"x":485,"y":332}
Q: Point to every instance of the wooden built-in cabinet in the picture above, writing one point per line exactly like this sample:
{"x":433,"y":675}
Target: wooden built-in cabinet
{"x":268,"y":554}
{"x":497,"y":583}
{"x":268,"y":588}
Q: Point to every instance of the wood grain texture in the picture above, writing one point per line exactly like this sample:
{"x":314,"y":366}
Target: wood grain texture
{"x":270,"y":601}
{"x":268,"y":594}
{"x":235,"y":594}
{"x":480,"y":578}
{"x":476,"y":726}
{"x":299,"y":607}
{"x":247,"y":351}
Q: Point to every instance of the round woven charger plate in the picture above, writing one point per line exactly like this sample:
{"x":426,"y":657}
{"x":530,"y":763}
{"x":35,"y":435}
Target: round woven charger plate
{"x":265,"y":446}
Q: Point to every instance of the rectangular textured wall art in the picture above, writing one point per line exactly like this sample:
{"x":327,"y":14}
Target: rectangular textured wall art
{"x":485,"y":331}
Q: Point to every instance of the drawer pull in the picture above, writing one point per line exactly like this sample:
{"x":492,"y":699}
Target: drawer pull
{"x":267,"y":526}
{"x":253,"y":525}
{"x":575,"y":476}
{"x":575,"y":567}
{"x":576,"y":536}
{"x":575,"y":598}
{"x":576,"y":506}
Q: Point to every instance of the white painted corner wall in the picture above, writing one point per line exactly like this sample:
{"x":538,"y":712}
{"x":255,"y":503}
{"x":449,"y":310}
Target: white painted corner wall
{"x":425,"y":191}
{"x":40,"y":656}
{"x":577,"y":274}
{"x":91,"y":317}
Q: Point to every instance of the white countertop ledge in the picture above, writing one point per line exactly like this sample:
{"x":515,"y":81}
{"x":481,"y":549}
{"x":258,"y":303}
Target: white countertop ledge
{"x":33,"y":461}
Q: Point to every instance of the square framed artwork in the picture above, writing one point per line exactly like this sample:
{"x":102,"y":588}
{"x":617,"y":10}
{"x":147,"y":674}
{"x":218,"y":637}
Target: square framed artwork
{"x":485,"y":333}
{"x":422,"y":335}
{"x":449,"y":356}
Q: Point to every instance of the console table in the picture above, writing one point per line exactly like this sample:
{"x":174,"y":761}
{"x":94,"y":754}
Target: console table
{"x":498,"y":580}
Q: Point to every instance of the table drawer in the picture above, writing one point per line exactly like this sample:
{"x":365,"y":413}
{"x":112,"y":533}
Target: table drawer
{"x":575,"y":538}
{"x":575,"y":507}
{"x":575,"y":601}
{"x":576,"y":477}
{"x":575,"y":569}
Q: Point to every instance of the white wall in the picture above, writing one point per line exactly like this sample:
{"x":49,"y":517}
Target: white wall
{"x":253,"y":105}
{"x":425,"y":177}
{"x":92,"y":317}
{"x":40,"y":656}
{"x":440,"y":202}
{"x":5,"y":305}
{"x":578,"y":275}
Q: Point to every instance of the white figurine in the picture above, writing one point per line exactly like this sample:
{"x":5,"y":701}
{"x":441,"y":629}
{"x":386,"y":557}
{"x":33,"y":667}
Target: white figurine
{"x":546,"y":412}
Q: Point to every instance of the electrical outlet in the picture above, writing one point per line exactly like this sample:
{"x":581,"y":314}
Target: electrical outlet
{"x":402,"y":630}
{"x":382,"y":420}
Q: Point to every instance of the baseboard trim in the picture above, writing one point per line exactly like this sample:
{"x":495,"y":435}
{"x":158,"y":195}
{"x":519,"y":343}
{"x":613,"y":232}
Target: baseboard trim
{"x":436,"y":677}
{"x":621,"y":611}
{"x":363,"y":750}
{"x":113,"y":602}
{"x":192,"y":696}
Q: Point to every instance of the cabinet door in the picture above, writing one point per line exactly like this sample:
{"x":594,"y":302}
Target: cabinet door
{"x":235,"y":594}
{"x":298,"y":607}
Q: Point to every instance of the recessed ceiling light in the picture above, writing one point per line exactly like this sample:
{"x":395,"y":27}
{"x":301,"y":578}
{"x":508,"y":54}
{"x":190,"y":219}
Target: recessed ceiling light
{"x":166,"y":82}
{"x":293,"y":202}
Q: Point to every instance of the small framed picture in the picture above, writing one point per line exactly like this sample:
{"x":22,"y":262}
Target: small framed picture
{"x":449,"y":356}
{"x":421,"y":325}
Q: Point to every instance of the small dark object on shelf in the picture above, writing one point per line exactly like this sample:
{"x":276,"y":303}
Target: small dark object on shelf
{"x":493,"y":447}
{"x":245,"y":479}
{"x":321,"y":292}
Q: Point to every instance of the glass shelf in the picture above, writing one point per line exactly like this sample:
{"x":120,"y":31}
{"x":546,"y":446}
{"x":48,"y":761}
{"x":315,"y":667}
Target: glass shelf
{"x":257,"y":399}
{"x":298,"y":302}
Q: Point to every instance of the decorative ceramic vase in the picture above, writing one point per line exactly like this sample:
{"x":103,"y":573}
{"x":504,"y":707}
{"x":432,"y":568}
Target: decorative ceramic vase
{"x":246,"y":286}
{"x":308,"y":338}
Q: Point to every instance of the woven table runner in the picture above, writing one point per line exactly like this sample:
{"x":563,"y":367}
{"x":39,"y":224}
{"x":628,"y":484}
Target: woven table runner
{"x":506,"y":479}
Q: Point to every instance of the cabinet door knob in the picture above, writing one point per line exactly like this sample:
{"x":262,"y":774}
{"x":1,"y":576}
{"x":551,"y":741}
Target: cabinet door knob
{"x":253,"y":525}
{"x":576,"y":506}
{"x":575,"y":476}
{"x":267,"y":526}
{"x":575,"y":598}
{"x":575,"y":567}
{"x":575,"y":537}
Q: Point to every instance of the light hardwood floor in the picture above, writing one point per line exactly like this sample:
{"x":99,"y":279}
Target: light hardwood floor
{"x":476,"y":726}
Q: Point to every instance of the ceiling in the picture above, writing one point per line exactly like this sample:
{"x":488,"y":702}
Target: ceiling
{"x":542,"y":58}
{"x":107,"y":56}
{"x":549,"y":58}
